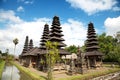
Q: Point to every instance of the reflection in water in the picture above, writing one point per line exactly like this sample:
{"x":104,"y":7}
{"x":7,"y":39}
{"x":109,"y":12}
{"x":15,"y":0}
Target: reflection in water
{"x":12,"y":73}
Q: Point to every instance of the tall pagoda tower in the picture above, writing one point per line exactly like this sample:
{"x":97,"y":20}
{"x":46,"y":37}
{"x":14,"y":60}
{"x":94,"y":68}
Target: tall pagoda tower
{"x":31,"y":44}
{"x":93,"y":56}
{"x":56,"y":33}
{"x":45,"y":36}
{"x":25,"y":49}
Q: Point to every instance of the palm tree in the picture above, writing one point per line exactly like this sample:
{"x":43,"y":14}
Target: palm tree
{"x":15,"y":41}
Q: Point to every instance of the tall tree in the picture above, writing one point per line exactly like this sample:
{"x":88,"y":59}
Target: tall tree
{"x":109,"y":46}
{"x":72,"y":49}
{"x":0,"y":52}
{"x":15,"y":41}
{"x":118,"y":36}
{"x":52,"y":56}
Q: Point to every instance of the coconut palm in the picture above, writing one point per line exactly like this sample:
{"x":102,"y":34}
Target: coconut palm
{"x":15,"y":41}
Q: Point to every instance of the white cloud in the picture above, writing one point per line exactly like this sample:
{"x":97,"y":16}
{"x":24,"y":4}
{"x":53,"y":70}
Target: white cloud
{"x":33,"y":29}
{"x":116,"y":8}
{"x":9,"y":16}
{"x":74,"y":32}
{"x":26,"y":1}
{"x":17,"y":28}
{"x":93,"y":6}
{"x":112,"y":25}
{"x":20,"y":9}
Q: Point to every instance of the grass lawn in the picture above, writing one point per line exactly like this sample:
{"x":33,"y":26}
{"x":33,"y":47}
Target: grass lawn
{"x":90,"y":73}
{"x":27,"y":71}
{"x":93,"y":73}
{"x":2,"y":63}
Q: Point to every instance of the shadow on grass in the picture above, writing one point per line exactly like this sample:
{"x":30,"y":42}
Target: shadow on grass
{"x":44,"y":77}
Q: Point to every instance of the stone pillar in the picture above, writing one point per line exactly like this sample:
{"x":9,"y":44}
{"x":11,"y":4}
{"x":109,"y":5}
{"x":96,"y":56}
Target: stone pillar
{"x":72,"y":67}
{"x":101,"y":65}
{"x":30,"y":62}
{"x":95,"y":65}
{"x":88,"y":64}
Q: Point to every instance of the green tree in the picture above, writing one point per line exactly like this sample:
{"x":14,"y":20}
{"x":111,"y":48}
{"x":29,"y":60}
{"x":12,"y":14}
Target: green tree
{"x":83,"y":48}
{"x":118,"y":36}
{"x":109,"y":47}
{"x":72,"y":49}
{"x":52,"y":56}
{"x":5,"y":54}
{"x":0,"y":52}
{"x":0,"y":55}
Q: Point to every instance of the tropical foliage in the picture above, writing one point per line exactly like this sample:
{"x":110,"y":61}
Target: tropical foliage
{"x":72,"y":49}
{"x":52,"y":57}
{"x":110,"y":47}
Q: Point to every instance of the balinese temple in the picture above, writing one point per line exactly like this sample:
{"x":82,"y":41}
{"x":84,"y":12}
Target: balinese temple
{"x":30,"y":45}
{"x":25,"y":50}
{"x":25,"y":45}
{"x":93,"y":56}
{"x":45,"y":37}
{"x":36,"y":55}
{"x":27,"y":55}
{"x":56,"y":35}
{"x":41,"y":59}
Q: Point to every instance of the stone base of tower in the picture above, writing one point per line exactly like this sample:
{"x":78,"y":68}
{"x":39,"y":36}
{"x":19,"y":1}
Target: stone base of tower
{"x":94,"y":61}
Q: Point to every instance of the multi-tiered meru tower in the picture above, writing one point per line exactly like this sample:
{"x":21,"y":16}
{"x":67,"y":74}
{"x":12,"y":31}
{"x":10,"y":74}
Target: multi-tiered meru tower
{"x":93,"y":56}
{"x":56,"y":32}
{"x":56,"y":35}
{"x":26,"y":46}
{"x":45,"y":37}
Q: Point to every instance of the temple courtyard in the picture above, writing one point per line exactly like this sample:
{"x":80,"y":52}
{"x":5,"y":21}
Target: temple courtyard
{"x":106,"y":69}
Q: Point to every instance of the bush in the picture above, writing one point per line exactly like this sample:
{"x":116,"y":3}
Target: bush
{"x":119,"y":61}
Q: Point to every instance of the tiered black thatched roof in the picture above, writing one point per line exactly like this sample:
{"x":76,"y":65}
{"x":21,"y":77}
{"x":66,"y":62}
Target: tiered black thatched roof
{"x":32,"y":52}
{"x":31,"y":44}
{"x":45,"y":37}
{"x":55,"y":33}
{"x":92,"y":42}
{"x":25,"y":46}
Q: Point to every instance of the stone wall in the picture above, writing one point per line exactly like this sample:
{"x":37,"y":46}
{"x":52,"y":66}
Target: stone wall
{"x":112,"y":76}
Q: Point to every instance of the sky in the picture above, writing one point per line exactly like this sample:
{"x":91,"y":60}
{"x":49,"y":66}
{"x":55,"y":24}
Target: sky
{"x":21,"y":18}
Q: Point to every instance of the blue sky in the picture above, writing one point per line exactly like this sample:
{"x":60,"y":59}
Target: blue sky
{"x":19,"y":18}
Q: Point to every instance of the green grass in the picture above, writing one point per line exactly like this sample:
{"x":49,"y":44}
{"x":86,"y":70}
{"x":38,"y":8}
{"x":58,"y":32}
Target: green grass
{"x":86,"y":76}
{"x":2,"y":63}
{"x":91,"y":74}
{"x":27,"y":71}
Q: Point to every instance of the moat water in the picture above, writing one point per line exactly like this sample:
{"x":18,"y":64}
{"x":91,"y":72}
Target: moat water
{"x":11,"y":72}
